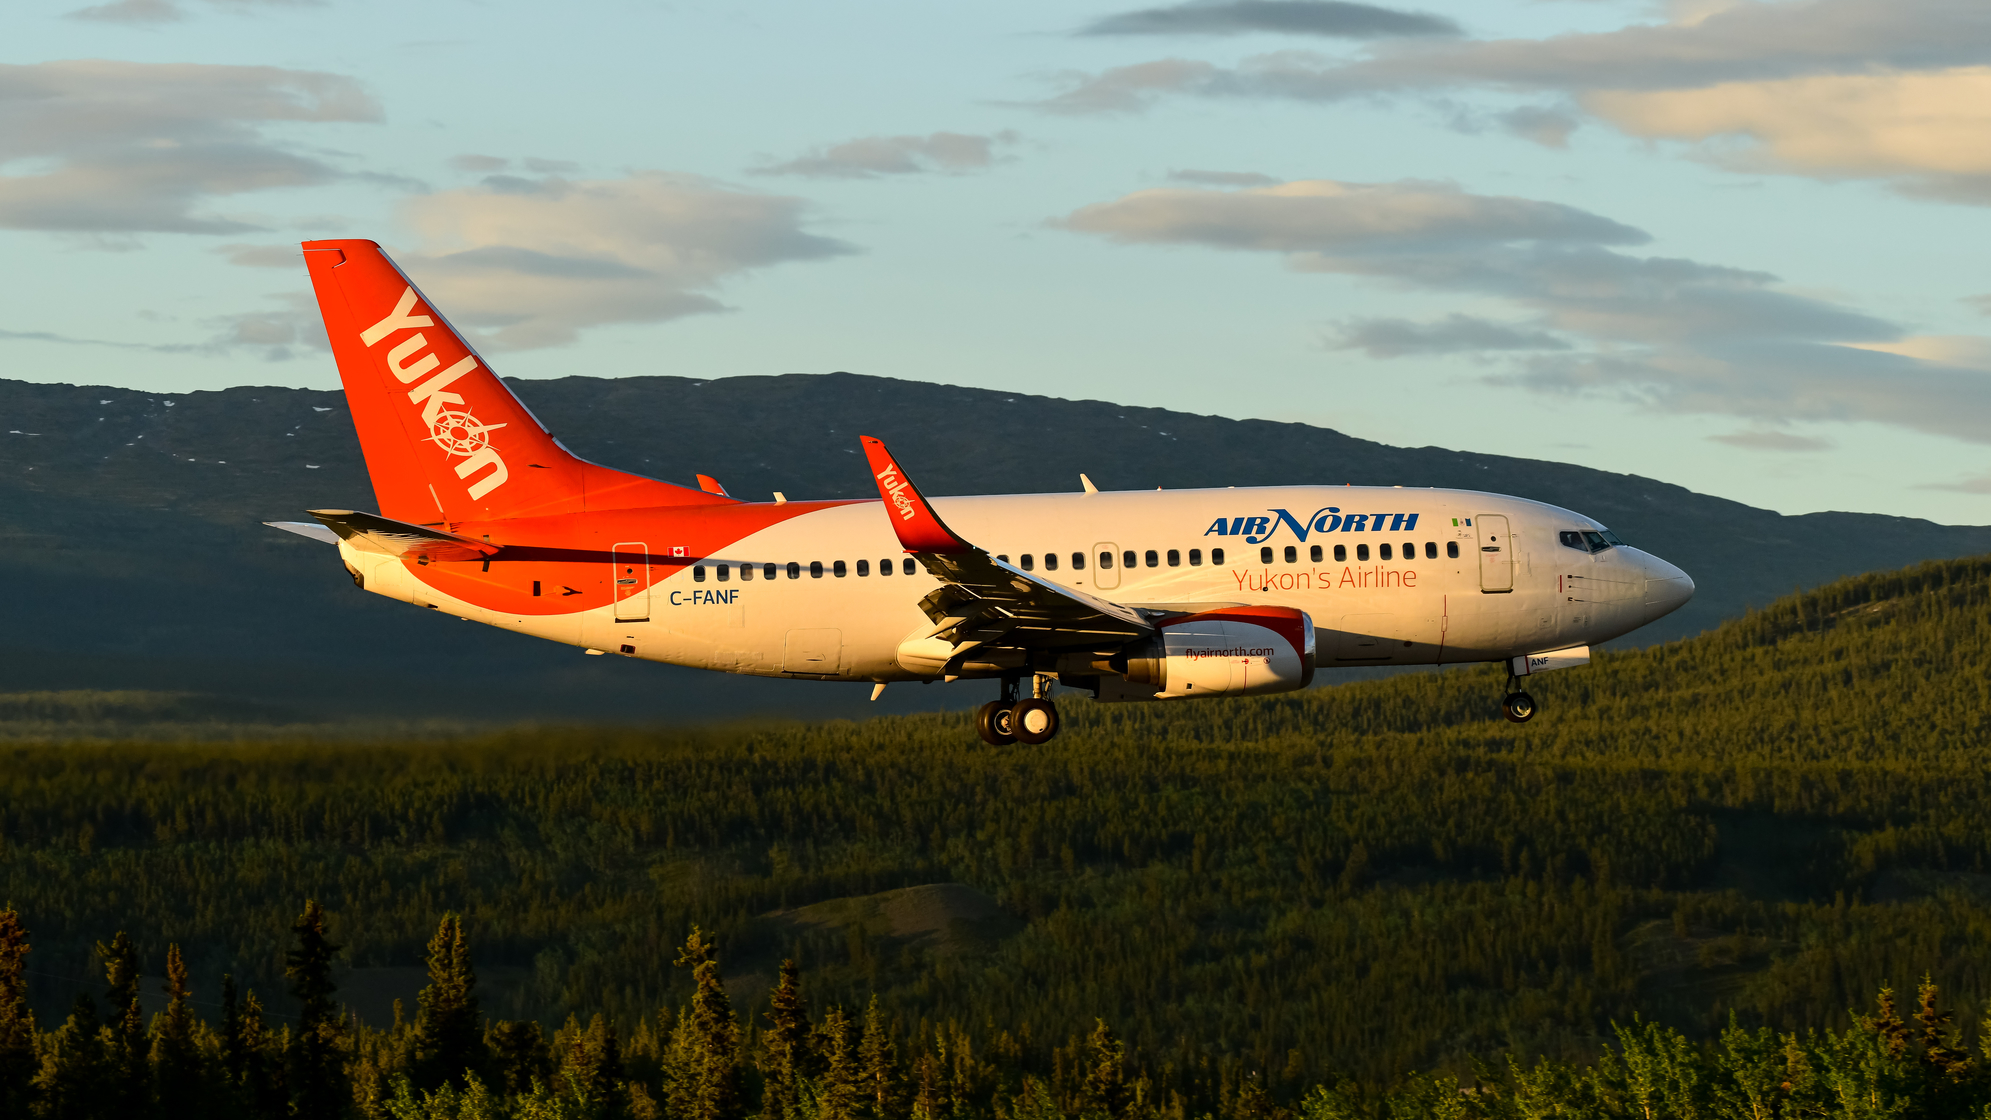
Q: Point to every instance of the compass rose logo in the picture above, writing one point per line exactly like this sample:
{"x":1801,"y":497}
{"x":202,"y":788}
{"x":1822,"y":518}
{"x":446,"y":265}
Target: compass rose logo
{"x":460,"y":433}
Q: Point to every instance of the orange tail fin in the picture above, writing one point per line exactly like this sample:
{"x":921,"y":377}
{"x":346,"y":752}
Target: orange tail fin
{"x":444,"y":440}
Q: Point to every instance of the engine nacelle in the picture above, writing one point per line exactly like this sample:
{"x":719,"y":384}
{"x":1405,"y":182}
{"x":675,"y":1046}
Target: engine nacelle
{"x":1236,"y":651}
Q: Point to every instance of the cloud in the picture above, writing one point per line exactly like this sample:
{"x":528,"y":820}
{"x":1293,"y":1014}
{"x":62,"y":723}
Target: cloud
{"x":1223,"y":178}
{"x":478,"y":165}
{"x":1668,"y":333}
{"x":1889,"y":89}
{"x":869,"y":157}
{"x":130,"y":11}
{"x":1980,"y":484}
{"x":1981,"y":303}
{"x":1395,"y":338}
{"x":534,"y":262}
{"x":263,"y":256}
{"x":128,"y":147}
{"x":1760,"y":439}
{"x":1286,"y":17}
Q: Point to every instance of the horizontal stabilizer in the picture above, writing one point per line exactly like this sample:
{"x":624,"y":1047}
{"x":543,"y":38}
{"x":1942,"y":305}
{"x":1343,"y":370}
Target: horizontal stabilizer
{"x":310,"y":529}
{"x":370,"y":532}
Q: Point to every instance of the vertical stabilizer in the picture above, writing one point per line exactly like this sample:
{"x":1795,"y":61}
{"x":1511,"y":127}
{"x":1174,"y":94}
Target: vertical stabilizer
{"x":444,"y":439}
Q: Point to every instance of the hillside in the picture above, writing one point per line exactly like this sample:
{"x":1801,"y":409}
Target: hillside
{"x":129,"y":529}
{"x":1771,"y":819}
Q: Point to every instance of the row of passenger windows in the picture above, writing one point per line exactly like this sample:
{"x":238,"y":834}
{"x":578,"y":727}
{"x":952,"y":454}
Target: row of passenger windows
{"x":837,"y":568}
{"x":1128,"y":559}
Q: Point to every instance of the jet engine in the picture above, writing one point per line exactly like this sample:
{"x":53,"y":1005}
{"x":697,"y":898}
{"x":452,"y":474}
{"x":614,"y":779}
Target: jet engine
{"x":1235,"y":651}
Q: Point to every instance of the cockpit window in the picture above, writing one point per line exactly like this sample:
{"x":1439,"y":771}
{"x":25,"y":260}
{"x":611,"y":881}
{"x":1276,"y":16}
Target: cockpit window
{"x":1589,"y":540}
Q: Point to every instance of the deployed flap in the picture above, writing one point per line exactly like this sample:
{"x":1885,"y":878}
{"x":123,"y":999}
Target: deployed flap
{"x":987,"y":602}
{"x":372,"y":533}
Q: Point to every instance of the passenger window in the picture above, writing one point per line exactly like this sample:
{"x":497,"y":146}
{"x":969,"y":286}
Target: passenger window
{"x":839,"y":570}
{"x":1340,"y":553}
{"x":1430,"y":550}
{"x":1050,"y":561}
{"x":815,"y":569}
{"x":1265,"y":554}
{"x":1174,"y":558}
{"x":768,"y":571}
{"x":1029,"y":563}
{"x":1292,"y":554}
{"x":885,"y":566}
{"x":1195,"y":557}
{"x":864,"y":567}
{"x":1105,"y":559}
{"x":1078,"y":561}
{"x":746,"y":572}
{"x":698,"y":574}
{"x":1314,"y":554}
{"x":908,"y":566}
{"x":721,"y":571}
{"x":1383,"y":551}
{"x":1003,"y":556}
{"x":1216,"y":556}
{"x":794,"y":570}
{"x":1154,"y":561}
{"x":1452,"y":549}
{"x":1127,"y":558}
{"x":1410,"y":550}
{"x":1362,"y":551}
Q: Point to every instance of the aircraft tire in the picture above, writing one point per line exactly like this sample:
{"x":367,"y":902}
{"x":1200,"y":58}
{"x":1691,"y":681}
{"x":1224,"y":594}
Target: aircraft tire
{"x":1518,"y":707}
{"x":1034,"y":721}
{"x":995,"y":722}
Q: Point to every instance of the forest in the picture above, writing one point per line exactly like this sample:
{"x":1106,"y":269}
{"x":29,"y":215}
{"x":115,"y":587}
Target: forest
{"x":1676,"y":892}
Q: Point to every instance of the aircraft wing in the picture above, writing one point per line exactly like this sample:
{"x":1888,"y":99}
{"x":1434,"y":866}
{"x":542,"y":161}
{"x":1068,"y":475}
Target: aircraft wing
{"x":985,"y":601}
{"x":370,"y":532}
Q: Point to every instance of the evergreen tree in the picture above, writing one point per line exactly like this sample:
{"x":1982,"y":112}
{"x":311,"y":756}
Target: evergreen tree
{"x":929,"y":1094}
{"x":840,"y":1095}
{"x":1104,"y":1088}
{"x":449,"y":1024}
{"x":316,"y":1087}
{"x":129,"y":1050}
{"x":17,"y":1019}
{"x":520,"y":1053}
{"x":784,"y":1057}
{"x":234,"y":1057}
{"x":70,"y":1083}
{"x":176,"y":1060}
{"x":878,"y":1064}
{"x":262,"y":1085}
{"x":715,"y":1089}
{"x":592,"y":1068}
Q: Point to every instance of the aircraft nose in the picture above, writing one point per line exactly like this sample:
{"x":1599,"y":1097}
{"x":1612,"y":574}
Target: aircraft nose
{"x":1667,"y":588}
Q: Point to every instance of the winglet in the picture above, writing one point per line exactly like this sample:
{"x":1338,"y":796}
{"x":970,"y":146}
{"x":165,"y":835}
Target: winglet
{"x":919,"y":528}
{"x":711,"y":486}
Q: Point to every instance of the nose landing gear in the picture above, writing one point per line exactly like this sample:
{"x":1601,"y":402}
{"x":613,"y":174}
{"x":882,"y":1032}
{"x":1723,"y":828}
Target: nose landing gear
{"x":1031,"y":720}
{"x":1517,"y":706}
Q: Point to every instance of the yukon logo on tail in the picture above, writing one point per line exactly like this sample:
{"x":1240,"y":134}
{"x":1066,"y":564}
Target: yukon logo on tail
{"x":895,"y":484}
{"x":455,"y":430}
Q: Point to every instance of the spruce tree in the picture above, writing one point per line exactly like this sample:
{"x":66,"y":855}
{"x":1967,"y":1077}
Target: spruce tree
{"x":176,"y":1059}
{"x":841,"y":1094}
{"x":129,"y":1049}
{"x":784,"y":1057}
{"x":262,"y":1082}
{"x":521,"y":1054}
{"x":449,"y":1024}
{"x":878,"y":1065}
{"x":1105,"y":1086}
{"x":316,"y":1087}
{"x":715,"y":1090}
{"x":17,"y":1019}
{"x":71,"y":1082}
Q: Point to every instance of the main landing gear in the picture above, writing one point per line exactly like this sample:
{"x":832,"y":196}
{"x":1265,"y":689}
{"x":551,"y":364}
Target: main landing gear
{"x":1518,"y":706}
{"x":1032,"y":720}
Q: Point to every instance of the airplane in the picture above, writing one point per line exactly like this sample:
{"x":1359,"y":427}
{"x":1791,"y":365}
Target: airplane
{"x":1129,"y":596}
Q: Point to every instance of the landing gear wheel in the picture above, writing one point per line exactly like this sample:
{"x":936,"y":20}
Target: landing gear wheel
{"x":1519,"y":707}
{"x":996,"y":723}
{"x":1035,"y":721}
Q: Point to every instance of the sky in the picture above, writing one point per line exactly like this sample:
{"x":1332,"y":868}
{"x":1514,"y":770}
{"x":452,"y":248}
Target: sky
{"x":1739,"y":246}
